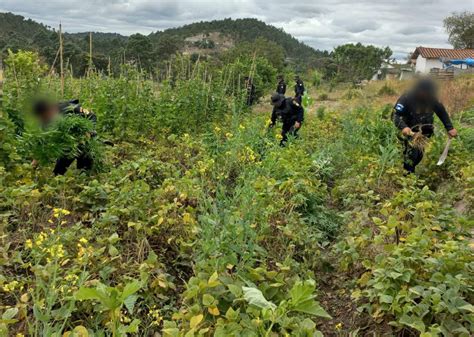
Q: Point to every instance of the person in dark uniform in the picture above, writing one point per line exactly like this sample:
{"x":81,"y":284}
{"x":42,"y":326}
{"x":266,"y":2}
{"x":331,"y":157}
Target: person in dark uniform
{"x":251,"y":91}
{"x":414,"y":112}
{"x":47,"y":113}
{"x":290,"y":112}
{"x":281,"y":87}
{"x":299,"y":90}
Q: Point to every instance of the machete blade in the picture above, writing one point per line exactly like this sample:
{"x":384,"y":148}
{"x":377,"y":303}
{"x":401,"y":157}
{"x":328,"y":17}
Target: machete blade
{"x":443,"y":157}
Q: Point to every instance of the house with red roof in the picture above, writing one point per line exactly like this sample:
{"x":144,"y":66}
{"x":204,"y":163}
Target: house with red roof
{"x":425,"y":59}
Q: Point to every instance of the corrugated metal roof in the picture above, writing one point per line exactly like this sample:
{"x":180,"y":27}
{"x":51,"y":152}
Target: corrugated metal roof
{"x":436,"y":53}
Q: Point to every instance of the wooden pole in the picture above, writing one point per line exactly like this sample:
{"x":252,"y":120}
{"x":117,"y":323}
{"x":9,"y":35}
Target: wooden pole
{"x":90,"y":52}
{"x":61,"y":59}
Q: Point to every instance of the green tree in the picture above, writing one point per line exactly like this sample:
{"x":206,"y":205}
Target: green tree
{"x":356,"y":62}
{"x":260,"y":47}
{"x":140,"y":49}
{"x":460,"y":28}
{"x":167,"y":46}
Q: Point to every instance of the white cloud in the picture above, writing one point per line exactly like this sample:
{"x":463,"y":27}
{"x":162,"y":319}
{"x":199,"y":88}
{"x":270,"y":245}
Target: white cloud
{"x":402,"y":24}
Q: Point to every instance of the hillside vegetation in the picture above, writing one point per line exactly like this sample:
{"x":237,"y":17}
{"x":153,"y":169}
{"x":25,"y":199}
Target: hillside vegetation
{"x":150,"y":51}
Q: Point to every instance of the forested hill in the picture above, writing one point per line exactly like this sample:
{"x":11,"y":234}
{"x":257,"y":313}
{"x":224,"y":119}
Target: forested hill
{"x":245,"y":30}
{"x":17,"y":32}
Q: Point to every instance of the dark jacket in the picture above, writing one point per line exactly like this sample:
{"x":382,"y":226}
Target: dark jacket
{"x":412,"y":113}
{"x":299,"y":88}
{"x":281,"y":87}
{"x":289,"y":112}
{"x":73,"y":107}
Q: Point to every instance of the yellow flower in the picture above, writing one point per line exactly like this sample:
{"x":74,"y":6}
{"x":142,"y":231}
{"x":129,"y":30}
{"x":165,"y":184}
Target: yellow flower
{"x":29,"y":244}
{"x":338,"y":326}
{"x":229,"y":135}
{"x":40,"y":239}
{"x":57,"y":212}
{"x":83,"y":240}
{"x":10,"y":286}
{"x":56,"y":251}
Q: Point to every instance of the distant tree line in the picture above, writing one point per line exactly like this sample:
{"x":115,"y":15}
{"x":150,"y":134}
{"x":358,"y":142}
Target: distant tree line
{"x":151,"y":53}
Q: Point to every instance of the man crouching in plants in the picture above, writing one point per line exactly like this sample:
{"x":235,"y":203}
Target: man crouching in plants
{"x":75,"y":130}
{"x":291,"y":114}
{"x":414,"y":116}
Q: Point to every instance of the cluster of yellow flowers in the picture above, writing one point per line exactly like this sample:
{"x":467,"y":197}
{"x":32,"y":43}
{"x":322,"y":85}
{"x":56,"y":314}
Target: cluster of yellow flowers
{"x":155,"y":314}
{"x":40,"y":239}
{"x":248,"y":155}
{"x":71,"y":278}
{"x":9,"y":287}
{"x":83,"y":251}
{"x":56,"y":251}
{"x":57,"y":212}
{"x":205,"y":166}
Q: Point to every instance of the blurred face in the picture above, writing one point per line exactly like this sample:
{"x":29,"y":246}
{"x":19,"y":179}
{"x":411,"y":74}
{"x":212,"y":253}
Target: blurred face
{"x":49,"y":114}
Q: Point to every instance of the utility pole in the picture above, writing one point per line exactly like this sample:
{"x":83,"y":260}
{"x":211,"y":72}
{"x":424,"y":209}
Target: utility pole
{"x":61,"y":58}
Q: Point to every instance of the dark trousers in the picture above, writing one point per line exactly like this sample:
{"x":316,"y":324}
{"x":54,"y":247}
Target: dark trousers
{"x":288,"y":129}
{"x":84,"y":162}
{"x":412,"y":157}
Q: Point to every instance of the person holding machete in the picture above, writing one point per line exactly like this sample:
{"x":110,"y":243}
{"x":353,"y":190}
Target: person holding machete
{"x":414,"y":113}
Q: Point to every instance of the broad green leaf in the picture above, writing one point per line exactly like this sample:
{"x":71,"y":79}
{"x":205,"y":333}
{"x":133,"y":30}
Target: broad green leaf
{"x":195,"y":320}
{"x":87,"y":294}
{"x":235,"y":290}
{"x":468,"y":307}
{"x":130,"y":289}
{"x":311,"y":307}
{"x":213,"y":280}
{"x":207,"y":299}
{"x":9,"y":313}
{"x":302,"y":291}
{"x":133,"y":327}
{"x":255,"y":297}
{"x":130,"y":303}
{"x":386,"y":299}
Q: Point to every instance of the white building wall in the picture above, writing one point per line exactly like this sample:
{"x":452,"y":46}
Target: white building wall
{"x":425,"y":65}
{"x":420,"y":64}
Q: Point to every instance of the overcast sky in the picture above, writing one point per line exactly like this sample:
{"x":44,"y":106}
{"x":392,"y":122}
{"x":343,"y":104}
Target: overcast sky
{"x":323,"y":24}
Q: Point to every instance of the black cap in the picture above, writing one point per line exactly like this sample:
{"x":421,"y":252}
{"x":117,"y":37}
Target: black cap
{"x":277,"y":99}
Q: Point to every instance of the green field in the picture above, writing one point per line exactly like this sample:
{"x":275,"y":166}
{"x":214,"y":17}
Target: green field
{"x":197,"y":223}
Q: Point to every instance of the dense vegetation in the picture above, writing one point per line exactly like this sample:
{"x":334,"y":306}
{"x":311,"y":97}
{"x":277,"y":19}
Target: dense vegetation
{"x":154,"y":53}
{"x":199,"y":224}
{"x":149,"y":51}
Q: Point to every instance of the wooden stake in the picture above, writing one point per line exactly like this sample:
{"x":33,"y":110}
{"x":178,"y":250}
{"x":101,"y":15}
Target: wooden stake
{"x":90,"y":52}
{"x":61,"y":59}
